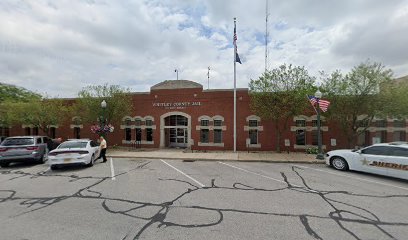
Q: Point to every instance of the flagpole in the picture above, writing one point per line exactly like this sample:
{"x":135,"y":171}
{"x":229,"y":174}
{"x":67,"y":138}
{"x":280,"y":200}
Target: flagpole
{"x":235,"y":87}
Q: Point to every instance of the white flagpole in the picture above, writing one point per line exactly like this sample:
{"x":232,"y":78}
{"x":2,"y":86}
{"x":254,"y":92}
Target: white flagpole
{"x":235,"y":87}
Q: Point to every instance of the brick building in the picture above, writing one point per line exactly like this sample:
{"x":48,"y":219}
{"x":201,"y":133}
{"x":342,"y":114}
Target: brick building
{"x":181,"y":114}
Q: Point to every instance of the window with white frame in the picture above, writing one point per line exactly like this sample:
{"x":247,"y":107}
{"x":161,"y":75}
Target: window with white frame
{"x":138,"y":122}
{"x":149,"y":122}
{"x":204,"y":122}
{"x":217,"y":135}
{"x":217,"y":123}
{"x":399,"y":123}
{"x":301,"y":137}
{"x":128,"y":134}
{"x":381,"y":123}
{"x":301,"y":123}
{"x":253,"y":123}
{"x":204,"y":135}
{"x":253,"y":136}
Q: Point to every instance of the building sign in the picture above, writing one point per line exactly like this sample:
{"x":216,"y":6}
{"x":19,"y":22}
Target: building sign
{"x":176,"y":105}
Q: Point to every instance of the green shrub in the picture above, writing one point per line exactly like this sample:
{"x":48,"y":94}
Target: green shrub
{"x":312,"y":150}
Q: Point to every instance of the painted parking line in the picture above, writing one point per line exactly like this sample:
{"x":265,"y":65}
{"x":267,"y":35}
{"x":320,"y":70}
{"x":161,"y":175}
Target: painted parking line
{"x":112,"y":170}
{"x":200,"y":184}
{"x":348,"y":176}
{"x":264,"y":176}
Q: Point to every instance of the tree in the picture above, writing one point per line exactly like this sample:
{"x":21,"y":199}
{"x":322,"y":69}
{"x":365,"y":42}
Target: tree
{"x":9,"y":95}
{"x":16,"y":94}
{"x":279,"y":95}
{"x":88,"y":105}
{"x":357,"y":97}
{"x":41,"y":113}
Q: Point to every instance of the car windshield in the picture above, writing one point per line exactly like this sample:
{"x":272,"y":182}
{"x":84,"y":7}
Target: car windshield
{"x":72,"y":145}
{"x":17,"y":141}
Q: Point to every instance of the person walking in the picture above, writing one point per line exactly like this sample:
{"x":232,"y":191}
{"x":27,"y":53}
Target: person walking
{"x":103,"y":145}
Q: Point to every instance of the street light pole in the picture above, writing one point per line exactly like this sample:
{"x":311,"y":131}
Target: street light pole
{"x":320,"y":155}
{"x":103,"y":105}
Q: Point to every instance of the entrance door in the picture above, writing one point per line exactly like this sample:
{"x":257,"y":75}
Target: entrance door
{"x":176,"y":127}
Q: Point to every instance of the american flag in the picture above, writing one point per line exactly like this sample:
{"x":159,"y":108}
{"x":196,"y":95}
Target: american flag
{"x":237,"y":59}
{"x":313,"y":100}
{"x":323,"y":104}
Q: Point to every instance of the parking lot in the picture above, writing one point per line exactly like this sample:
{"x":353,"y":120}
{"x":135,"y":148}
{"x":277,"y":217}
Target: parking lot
{"x":171,"y":199}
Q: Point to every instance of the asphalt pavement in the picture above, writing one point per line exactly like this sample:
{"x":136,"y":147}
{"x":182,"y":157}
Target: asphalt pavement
{"x":133,"y":198}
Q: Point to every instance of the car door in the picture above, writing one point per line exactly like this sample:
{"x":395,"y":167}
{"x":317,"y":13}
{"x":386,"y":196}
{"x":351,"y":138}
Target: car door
{"x":95,"y":147}
{"x":397,"y":163}
{"x":372,"y":157}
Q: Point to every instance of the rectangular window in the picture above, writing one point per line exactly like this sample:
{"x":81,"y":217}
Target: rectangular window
{"x":205,"y":122}
{"x":218,"y":123}
{"x":399,"y":136}
{"x":399,"y":123}
{"x":314,"y":123}
{"x":315,"y":139}
{"x":52,"y":132}
{"x":382,"y":135}
{"x":253,"y":136}
{"x":217,"y":136}
{"x":138,"y":134}
{"x":138,"y":122}
{"x":381,"y":123}
{"x":128,"y":134}
{"x":300,"y":137}
{"x":77,"y":132}
{"x":149,"y":134}
{"x":253,"y":123}
{"x":27,"y":131}
{"x":300,"y":123}
{"x":35,"y":130}
{"x":204,"y":135}
{"x":149,"y":122}
{"x":362,"y":123}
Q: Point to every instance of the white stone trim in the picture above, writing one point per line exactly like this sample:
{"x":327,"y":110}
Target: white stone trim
{"x":254,"y":145}
{"x":210,"y":144}
{"x":253,"y":117}
{"x":309,"y":128}
{"x":72,"y":126}
{"x":259,"y":128}
{"x":148,"y":118}
{"x":204,"y":117}
{"x":147,"y":142}
{"x":127,"y":117}
{"x":218,"y":117}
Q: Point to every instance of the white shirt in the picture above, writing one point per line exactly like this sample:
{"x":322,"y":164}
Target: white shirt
{"x":103,"y":144}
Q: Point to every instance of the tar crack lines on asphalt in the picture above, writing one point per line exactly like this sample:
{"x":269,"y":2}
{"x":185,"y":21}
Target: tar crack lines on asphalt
{"x":340,"y":216}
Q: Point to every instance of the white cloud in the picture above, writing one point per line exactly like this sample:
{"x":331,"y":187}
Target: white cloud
{"x":60,"y":46}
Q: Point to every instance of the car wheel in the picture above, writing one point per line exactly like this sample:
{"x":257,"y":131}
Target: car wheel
{"x":339,"y":163}
{"x":4,"y":164}
{"x":54,"y":167}
{"x":41,"y":160}
{"x":91,"y":163}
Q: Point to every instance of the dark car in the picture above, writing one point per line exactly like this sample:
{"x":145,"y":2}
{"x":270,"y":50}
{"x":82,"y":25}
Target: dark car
{"x":23,"y":149}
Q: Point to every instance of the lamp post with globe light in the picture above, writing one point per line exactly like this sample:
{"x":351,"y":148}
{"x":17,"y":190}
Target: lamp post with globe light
{"x":103,"y":105}
{"x":320,"y":155}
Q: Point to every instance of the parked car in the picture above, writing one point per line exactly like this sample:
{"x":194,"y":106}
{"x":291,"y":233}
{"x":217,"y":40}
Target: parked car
{"x":2,"y":138}
{"x":23,"y":149}
{"x":389,"y":159}
{"x":74,"y":152}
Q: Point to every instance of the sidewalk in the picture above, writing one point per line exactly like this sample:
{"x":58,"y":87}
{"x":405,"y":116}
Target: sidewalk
{"x":179,"y":154}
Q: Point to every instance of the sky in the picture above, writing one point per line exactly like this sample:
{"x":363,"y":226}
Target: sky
{"x":58,"y":47}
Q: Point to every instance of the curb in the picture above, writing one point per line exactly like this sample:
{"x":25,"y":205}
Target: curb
{"x":226,"y":160}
